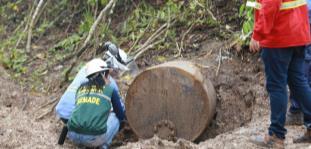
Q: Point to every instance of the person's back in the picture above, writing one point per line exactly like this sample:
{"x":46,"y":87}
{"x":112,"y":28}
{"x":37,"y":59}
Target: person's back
{"x":98,"y":111}
{"x":277,"y":27}
{"x":66,"y":104}
{"x":92,"y":110}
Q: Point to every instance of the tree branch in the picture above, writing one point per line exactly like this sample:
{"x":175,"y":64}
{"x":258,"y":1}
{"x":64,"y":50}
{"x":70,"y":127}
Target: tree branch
{"x":87,"y":40}
{"x":93,"y":28}
{"x":32,"y":23}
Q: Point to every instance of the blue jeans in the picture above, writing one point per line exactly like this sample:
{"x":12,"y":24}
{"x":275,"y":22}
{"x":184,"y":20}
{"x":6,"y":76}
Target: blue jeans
{"x":294,"y":107}
{"x":103,"y":140}
{"x":285,"y":66}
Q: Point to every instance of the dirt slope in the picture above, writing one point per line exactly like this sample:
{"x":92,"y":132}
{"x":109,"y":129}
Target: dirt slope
{"x":242,"y":111}
{"x":18,"y":128}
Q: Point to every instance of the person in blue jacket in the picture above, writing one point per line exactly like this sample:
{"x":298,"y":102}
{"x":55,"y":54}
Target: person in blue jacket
{"x":294,"y":115}
{"x":115,"y":58}
{"x":98,"y":112}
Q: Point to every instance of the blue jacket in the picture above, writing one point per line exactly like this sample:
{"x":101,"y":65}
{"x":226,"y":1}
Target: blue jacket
{"x":66,"y":104}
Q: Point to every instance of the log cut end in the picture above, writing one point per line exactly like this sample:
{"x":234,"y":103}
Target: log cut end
{"x":172,"y":100}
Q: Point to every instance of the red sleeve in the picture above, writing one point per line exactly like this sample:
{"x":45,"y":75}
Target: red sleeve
{"x":264,"y":18}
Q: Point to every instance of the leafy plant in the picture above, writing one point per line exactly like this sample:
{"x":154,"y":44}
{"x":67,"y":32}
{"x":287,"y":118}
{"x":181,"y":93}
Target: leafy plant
{"x":44,"y":26}
{"x":248,"y":23}
{"x":64,"y":47}
{"x":93,"y":2}
{"x":15,"y":61}
{"x":68,"y":43}
{"x":142,"y":23}
{"x":86,"y":24}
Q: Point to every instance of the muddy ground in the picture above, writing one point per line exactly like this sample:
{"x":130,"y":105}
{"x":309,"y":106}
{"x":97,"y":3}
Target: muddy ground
{"x":242,"y":109}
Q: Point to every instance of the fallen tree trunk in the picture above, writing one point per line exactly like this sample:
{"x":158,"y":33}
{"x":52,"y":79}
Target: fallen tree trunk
{"x":172,"y":100}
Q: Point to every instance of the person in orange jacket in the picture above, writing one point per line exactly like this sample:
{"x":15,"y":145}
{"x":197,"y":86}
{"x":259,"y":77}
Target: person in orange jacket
{"x":294,"y":115}
{"x":281,"y":32}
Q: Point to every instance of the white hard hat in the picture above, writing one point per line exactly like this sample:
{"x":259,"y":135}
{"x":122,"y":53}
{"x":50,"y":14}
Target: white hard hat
{"x":95,"y":65}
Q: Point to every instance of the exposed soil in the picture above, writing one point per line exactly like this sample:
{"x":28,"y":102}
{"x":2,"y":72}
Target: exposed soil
{"x":19,"y":128}
{"x":239,"y":87}
{"x":242,"y":109}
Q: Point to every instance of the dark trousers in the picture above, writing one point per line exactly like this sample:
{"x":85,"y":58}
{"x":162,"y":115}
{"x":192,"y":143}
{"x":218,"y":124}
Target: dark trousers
{"x":284,"y":66}
{"x":294,"y":107}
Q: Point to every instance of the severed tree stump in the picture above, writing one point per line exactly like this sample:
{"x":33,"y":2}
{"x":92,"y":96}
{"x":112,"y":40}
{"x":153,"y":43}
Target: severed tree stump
{"x":171,"y":100}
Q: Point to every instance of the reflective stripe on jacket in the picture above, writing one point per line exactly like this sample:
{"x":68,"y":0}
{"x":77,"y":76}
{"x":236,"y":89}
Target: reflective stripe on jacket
{"x":284,"y":5}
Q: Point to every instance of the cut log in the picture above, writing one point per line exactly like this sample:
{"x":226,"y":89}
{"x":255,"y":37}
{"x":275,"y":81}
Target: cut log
{"x":172,"y":100}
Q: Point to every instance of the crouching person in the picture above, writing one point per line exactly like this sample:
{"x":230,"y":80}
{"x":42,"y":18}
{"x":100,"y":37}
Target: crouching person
{"x":66,"y":104}
{"x":98,"y":111}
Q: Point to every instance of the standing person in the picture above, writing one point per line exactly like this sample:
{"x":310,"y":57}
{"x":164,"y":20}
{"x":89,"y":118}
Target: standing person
{"x":96,"y":117}
{"x":294,"y":115}
{"x":282,"y":30}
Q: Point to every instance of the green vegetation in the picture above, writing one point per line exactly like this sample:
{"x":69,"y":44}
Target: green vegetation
{"x":146,"y":19}
{"x":248,"y":23}
{"x":15,"y":61}
{"x":62,"y":26}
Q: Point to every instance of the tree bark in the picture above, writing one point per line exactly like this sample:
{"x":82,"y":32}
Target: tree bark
{"x":32,"y":23}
